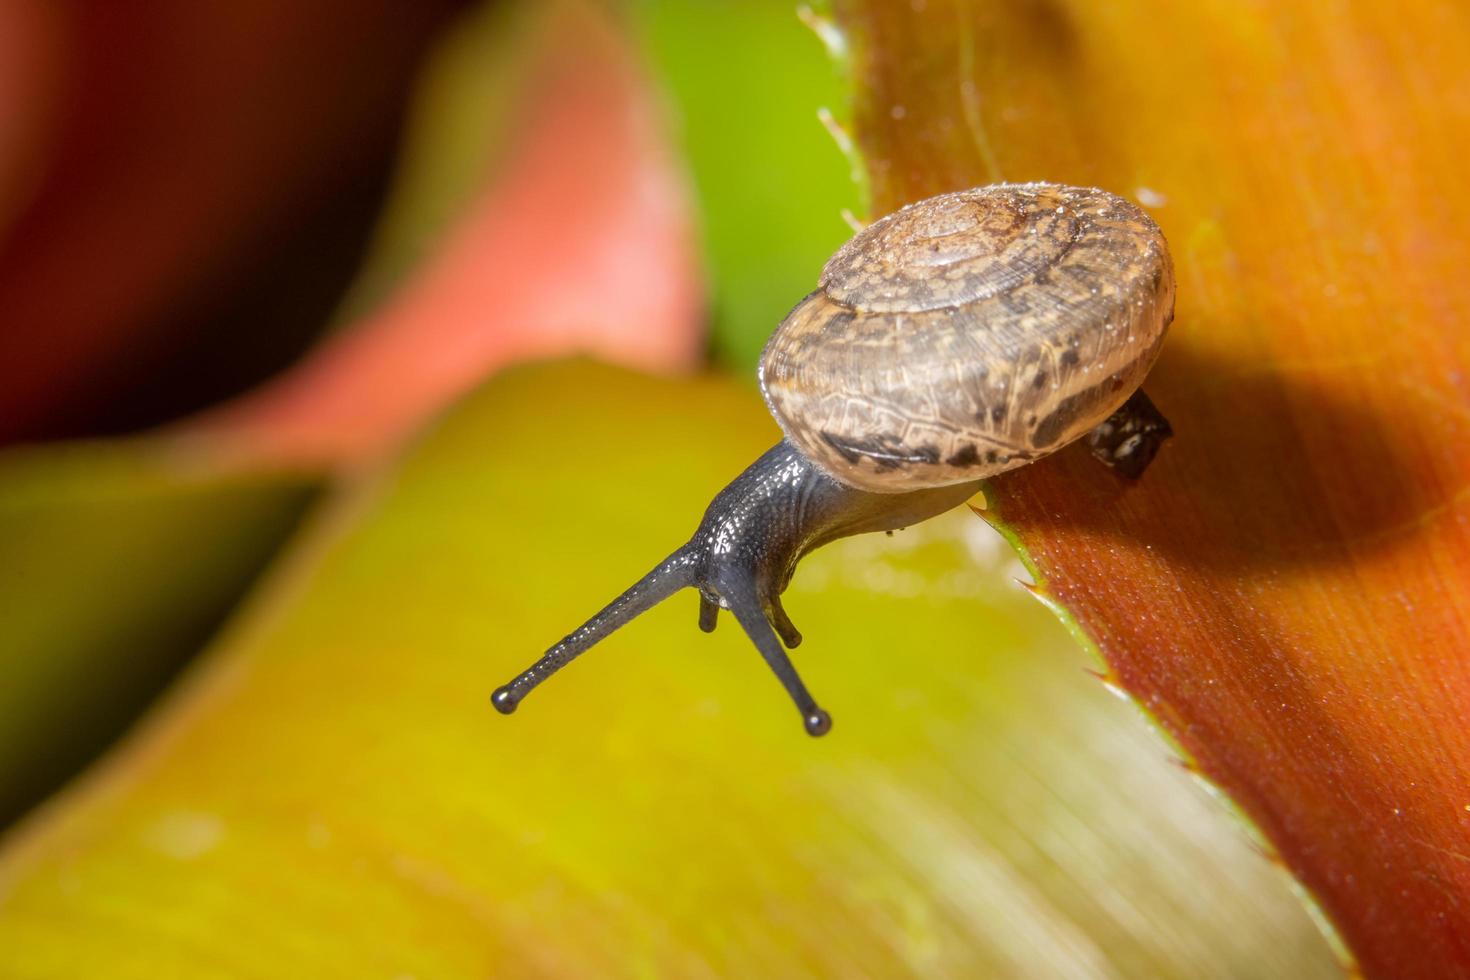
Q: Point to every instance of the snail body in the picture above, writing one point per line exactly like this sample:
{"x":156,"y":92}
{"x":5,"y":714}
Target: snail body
{"x":959,"y":337}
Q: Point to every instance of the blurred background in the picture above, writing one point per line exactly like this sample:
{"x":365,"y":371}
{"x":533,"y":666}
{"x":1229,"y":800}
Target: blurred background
{"x":351,"y":353}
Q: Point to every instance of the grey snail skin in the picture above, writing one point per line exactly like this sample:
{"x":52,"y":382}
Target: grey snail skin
{"x":959,"y":337}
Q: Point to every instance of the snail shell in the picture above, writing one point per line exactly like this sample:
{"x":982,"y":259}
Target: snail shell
{"x":971,"y":333}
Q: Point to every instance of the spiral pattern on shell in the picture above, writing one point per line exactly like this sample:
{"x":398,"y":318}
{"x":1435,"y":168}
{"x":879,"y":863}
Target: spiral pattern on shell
{"x":970,"y":333}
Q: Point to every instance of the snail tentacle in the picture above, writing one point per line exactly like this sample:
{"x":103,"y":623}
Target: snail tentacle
{"x":709,"y":613}
{"x":672,"y":574}
{"x":785,"y":628}
{"x":748,"y":612}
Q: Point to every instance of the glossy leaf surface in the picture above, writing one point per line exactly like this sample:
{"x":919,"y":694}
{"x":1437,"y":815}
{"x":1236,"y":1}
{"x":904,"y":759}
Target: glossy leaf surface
{"x":332,"y":794}
{"x":1288,"y":589}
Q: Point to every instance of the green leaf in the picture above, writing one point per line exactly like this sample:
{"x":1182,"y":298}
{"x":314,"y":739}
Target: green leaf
{"x":331,"y":792}
{"x":116,"y":563}
{"x":747,"y":80}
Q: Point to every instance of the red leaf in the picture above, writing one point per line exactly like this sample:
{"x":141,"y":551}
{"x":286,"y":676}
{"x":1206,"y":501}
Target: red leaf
{"x":191,"y":135}
{"x":582,"y":242}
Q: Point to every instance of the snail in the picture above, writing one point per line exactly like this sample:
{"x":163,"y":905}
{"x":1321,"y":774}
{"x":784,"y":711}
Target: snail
{"x":959,"y":337}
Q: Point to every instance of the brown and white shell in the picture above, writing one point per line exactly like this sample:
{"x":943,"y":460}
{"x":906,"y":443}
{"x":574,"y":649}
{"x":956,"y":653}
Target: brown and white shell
{"x":971,"y":333}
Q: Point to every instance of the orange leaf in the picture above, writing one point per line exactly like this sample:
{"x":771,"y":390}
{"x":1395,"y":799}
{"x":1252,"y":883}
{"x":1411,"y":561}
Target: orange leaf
{"x":1288,"y":589}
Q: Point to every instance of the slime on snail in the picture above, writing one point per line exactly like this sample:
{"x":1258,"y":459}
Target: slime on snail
{"x":959,"y":337}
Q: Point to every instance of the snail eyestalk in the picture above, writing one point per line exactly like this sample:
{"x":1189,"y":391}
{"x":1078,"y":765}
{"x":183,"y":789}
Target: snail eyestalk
{"x":742,"y":557}
{"x":673,"y":574}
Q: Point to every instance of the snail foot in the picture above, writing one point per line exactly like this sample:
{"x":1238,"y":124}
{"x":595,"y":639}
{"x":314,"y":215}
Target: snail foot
{"x":1128,"y":441}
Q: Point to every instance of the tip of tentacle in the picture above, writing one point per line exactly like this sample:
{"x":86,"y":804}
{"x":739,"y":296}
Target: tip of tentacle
{"x":709,"y":614}
{"x":505,"y":700}
{"x":818,"y":722}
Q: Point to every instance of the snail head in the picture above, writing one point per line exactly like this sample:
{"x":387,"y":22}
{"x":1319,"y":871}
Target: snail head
{"x":742,"y":558}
